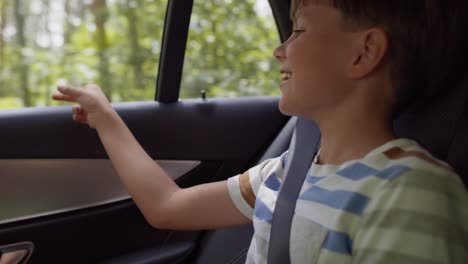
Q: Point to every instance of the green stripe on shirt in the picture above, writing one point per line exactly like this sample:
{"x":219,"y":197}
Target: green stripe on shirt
{"x":445,"y":228}
{"x":416,"y":200}
{"x":444,"y":184}
{"x":409,"y":243}
{"x":388,"y":257}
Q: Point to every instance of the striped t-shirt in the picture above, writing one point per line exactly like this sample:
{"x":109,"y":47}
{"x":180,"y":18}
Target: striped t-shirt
{"x":396,"y":205}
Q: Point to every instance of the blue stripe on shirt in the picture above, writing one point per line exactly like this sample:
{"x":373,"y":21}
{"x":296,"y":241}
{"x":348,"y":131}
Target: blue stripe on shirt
{"x":348,"y":201}
{"x":357,"y":171}
{"x":338,"y":242}
{"x":313,"y":179}
{"x":392,"y":172}
{"x":262,"y":212}
{"x":272,"y":182}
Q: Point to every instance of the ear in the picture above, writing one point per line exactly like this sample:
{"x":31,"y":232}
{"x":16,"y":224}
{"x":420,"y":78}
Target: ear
{"x":370,"y":48}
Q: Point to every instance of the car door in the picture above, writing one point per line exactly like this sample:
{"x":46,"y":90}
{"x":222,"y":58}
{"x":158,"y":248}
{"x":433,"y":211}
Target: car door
{"x":59,"y":191}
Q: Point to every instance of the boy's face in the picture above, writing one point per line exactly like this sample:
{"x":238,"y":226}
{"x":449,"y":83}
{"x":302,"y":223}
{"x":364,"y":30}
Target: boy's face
{"x":314,"y":61}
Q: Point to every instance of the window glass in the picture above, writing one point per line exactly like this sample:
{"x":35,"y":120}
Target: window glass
{"x":114,"y":43}
{"x":230,"y":50}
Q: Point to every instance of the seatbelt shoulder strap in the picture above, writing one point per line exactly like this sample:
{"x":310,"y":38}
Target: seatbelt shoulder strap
{"x":304,"y":145}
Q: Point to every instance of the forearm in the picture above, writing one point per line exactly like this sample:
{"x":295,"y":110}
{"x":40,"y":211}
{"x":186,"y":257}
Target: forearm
{"x":148,"y":184}
{"x":161,"y":201}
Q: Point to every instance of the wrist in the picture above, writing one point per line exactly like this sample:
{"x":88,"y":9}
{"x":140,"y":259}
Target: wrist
{"x":107,"y":118}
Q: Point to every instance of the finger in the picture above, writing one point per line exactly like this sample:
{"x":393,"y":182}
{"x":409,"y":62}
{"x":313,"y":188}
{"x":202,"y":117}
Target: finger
{"x":63,"y":97}
{"x":77,"y":109}
{"x":70,"y":91}
{"x":82,"y":115}
{"x":93,"y":86}
{"x":79,"y":118}
{"x":82,"y":120}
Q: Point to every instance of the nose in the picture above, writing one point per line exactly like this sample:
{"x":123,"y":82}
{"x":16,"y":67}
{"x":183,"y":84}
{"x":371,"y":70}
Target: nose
{"x":280,"y":52}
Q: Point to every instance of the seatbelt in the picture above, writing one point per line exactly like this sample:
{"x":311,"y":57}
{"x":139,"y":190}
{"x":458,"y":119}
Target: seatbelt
{"x":304,"y":146}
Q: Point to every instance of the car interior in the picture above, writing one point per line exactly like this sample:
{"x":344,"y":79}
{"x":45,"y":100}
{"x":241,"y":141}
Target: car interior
{"x":60,"y":197}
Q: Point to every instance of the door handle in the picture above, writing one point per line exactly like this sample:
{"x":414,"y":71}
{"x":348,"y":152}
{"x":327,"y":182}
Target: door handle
{"x":18,"y":253}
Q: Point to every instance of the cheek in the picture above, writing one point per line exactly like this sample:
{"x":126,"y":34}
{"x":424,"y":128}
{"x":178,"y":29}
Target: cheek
{"x":316,"y":63}
{"x":305,"y":59}
{"x":298,"y":53}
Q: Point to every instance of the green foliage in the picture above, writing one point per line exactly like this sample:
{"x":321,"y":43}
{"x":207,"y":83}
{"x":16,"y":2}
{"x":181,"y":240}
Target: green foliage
{"x":229,"y":50}
{"x":9,"y":102}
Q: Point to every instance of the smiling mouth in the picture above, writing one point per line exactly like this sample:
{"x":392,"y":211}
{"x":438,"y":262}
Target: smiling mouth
{"x":285,"y":76}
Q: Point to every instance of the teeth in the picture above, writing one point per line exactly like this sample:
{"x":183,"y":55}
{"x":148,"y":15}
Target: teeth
{"x":286,"y":75}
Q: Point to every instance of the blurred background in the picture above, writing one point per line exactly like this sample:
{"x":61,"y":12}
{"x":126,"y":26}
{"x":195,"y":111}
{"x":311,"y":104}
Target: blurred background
{"x":116,"y":44}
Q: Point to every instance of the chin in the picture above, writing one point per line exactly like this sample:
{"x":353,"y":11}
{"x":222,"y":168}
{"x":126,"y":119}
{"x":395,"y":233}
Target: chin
{"x":285,"y":107}
{"x":293,"y":108}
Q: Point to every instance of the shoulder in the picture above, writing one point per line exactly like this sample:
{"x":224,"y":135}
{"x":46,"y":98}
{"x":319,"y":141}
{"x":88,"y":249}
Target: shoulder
{"x":425,"y":205}
{"x":427,"y":190}
{"x":416,"y":157}
{"x":253,"y":178}
{"x":269,"y":167}
{"x":423,"y":171}
{"x":410,"y":178}
{"x":244,"y":188}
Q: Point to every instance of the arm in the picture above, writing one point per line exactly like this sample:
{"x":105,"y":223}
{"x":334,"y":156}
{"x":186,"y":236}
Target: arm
{"x":161,"y":201}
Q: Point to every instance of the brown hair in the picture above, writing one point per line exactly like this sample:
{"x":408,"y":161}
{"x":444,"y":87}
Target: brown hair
{"x":427,"y":39}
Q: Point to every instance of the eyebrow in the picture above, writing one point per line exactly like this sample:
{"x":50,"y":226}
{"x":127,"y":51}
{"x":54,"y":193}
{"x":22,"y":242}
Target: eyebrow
{"x":299,"y":14}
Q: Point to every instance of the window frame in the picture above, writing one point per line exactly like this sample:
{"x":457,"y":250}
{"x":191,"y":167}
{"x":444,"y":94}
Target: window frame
{"x":176,"y":27}
{"x":174,"y":42}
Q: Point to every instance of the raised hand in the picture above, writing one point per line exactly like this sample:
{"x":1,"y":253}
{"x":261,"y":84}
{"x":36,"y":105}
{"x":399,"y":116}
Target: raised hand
{"x":92,"y":107}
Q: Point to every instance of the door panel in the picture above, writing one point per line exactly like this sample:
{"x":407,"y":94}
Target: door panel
{"x":36,"y":187}
{"x":187,"y":130}
{"x":225,"y":135}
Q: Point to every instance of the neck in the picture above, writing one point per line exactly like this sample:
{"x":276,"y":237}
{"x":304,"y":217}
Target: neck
{"x":351,"y":132}
{"x":358,"y":140}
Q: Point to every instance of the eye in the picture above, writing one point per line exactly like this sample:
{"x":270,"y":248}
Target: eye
{"x":298,"y":31}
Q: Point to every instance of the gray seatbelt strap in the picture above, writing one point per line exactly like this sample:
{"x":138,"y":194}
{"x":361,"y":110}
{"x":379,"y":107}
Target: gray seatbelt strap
{"x":304,"y":145}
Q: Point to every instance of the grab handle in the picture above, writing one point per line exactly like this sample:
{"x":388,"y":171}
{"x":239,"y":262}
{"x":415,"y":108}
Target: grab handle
{"x":18,"y":253}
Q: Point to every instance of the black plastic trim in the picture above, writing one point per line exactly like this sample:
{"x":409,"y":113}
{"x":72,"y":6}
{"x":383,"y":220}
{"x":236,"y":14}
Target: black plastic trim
{"x":281,"y":142}
{"x":176,"y":27}
{"x":282,"y":18}
{"x":228,"y":129}
{"x":173,"y":253}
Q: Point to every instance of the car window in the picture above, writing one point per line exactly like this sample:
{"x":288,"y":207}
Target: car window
{"x":115,"y":43}
{"x":230,"y":50}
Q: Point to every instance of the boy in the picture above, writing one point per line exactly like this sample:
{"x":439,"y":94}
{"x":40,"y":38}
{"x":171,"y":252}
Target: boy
{"x":369,"y":197}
